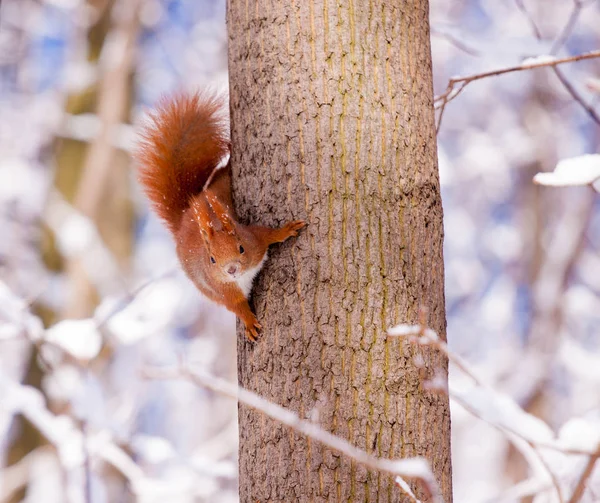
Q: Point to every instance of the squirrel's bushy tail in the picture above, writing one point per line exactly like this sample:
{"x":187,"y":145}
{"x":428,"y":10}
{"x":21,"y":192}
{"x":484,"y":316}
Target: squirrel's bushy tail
{"x":182,"y":142}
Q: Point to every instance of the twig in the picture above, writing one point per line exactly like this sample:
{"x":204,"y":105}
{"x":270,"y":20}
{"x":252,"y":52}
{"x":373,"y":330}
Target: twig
{"x":87,"y":465}
{"x":533,"y":445}
{"x":568,"y":28}
{"x":427,"y":337}
{"x":449,"y":96}
{"x":16,"y":476}
{"x":451,"y":92}
{"x":534,"y":26}
{"x":402,"y":484}
{"x":65,"y":437}
{"x":85,"y":128}
{"x":576,"y":96}
{"x":585,"y":475}
{"x":420,"y":334}
{"x":459,"y":44}
{"x":557,"y":45}
{"x":129,"y":297}
{"x":412,"y":468}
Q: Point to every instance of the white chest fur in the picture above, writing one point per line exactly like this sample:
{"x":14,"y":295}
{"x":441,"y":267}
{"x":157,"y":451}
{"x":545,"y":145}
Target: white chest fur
{"x":245,"y":280}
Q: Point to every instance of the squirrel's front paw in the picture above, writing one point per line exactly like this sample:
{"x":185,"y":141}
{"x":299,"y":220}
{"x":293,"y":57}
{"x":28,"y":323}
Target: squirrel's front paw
{"x":292,"y":228}
{"x":252,"y":328}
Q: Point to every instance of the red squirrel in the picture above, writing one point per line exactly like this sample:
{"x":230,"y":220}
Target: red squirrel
{"x":182,"y":148}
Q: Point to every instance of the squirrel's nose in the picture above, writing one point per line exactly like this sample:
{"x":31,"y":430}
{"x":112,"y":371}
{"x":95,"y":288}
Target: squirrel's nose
{"x":232,"y":269}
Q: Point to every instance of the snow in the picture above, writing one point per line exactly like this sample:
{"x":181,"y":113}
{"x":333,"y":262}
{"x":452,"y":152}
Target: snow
{"x":581,"y":434}
{"x":582,"y":170}
{"x":15,"y":317}
{"x":79,"y":338}
{"x":412,"y":468}
{"x":63,"y":383}
{"x":580,"y":362}
{"x":404,"y":330}
{"x":148,"y":313}
{"x":153,"y":449}
{"x":538,"y":60}
{"x":415,"y":468}
{"x":500,"y":234}
{"x":406,"y":488}
{"x":59,"y":430}
{"x":76,"y":235}
{"x":499,"y":409}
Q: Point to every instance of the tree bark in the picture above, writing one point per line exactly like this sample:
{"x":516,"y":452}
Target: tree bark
{"x":332,"y":122}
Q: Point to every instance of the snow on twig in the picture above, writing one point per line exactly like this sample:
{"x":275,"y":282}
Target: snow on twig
{"x":80,"y":338}
{"x":529,"y":434}
{"x":73,"y":447}
{"x":528,"y":64}
{"x":402,"y":484}
{"x":558,"y":43}
{"x":574,"y":171}
{"x":457,"y":84}
{"x":408,"y":468}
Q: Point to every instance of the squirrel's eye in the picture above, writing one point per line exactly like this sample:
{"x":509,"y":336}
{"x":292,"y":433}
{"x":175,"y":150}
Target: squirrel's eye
{"x":241,"y":249}
{"x":212,"y":259}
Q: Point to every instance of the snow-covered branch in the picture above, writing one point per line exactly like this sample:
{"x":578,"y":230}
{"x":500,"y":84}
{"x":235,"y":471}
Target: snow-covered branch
{"x":410,"y":468}
{"x":530,"y":435}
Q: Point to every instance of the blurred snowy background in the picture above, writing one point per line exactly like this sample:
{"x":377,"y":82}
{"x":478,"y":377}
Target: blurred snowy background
{"x":78,"y":422}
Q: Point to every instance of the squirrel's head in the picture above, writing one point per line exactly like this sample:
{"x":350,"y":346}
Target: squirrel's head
{"x":229,"y":253}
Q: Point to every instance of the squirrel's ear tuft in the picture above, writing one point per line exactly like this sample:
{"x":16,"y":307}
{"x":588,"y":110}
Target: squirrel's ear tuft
{"x":220,"y":212}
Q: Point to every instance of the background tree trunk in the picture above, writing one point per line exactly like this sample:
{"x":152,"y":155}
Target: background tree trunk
{"x":332,"y":121}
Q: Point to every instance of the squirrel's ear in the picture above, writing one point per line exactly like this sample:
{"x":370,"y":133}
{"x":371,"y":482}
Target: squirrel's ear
{"x":220,"y":212}
{"x":202,"y":216}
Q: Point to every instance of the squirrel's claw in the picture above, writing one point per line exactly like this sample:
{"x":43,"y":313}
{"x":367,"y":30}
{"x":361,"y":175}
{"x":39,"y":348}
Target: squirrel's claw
{"x":252,"y":330}
{"x":293,"y":227}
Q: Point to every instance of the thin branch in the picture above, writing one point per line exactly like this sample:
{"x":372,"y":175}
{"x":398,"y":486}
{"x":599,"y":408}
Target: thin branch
{"x":16,"y":476}
{"x":557,"y":45}
{"x":568,"y":28}
{"x":455,"y":41}
{"x":417,"y":334}
{"x":576,"y":96}
{"x":585,"y":475}
{"x":427,"y":337}
{"x":66,"y":437}
{"x":535,"y":28}
{"x":552,"y":62}
{"x":509,"y":432}
{"x":87,"y":465}
{"x":402,"y":484}
{"x":413,"y":468}
{"x":451,"y":92}
{"x":422,"y":335}
{"x":86,"y":128}
{"x":127,"y":299}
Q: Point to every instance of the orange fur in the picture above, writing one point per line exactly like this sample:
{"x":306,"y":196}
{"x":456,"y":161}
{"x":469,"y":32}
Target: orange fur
{"x":182,"y":144}
{"x":183,"y":141}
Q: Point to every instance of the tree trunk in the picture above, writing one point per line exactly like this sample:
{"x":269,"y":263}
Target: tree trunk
{"x":332,"y":122}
